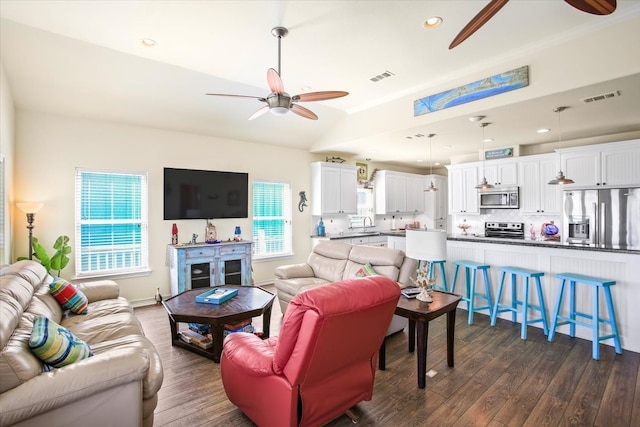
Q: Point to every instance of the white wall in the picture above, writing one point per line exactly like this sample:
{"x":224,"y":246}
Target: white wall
{"x":49,"y":148}
{"x":7,"y":143}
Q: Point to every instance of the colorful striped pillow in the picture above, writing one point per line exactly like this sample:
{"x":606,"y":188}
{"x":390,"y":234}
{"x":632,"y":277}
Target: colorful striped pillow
{"x":56,"y":345}
{"x":366,"y":270}
{"x":69,"y":297}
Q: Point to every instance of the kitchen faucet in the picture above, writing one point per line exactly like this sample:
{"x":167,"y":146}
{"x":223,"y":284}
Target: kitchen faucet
{"x":364,"y":223}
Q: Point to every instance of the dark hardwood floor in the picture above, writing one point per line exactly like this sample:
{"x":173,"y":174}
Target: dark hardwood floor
{"x":498,"y":380}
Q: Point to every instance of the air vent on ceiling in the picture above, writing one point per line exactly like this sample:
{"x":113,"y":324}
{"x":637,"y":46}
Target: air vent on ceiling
{"x":601,"y":97}
{"x":384,"y":75}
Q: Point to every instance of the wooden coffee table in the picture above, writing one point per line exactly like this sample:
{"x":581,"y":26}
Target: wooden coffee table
{"x":421,"y":313}
{"x":183,"y":308}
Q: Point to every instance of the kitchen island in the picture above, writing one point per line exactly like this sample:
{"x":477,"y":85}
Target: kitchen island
{"x":553,"y":257}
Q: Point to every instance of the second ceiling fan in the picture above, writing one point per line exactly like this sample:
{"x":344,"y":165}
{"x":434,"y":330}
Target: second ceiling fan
{"x":595,"y":7}
{"x":279,"y":102}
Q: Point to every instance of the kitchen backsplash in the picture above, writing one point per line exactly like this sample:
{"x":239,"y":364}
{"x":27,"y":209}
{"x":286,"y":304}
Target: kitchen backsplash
{"x":501,"y":215}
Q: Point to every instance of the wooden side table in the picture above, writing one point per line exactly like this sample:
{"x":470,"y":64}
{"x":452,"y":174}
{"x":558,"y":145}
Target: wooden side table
{"x":420,"y":313}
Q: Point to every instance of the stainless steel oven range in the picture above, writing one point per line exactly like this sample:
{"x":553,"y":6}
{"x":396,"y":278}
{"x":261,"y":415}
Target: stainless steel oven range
{"x":505,"y":230}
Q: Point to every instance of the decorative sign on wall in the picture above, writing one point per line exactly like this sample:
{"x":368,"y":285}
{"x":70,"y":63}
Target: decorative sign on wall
{"x":500,"y":153}
{"x":362,"y":171}
{"x":494,"y":85}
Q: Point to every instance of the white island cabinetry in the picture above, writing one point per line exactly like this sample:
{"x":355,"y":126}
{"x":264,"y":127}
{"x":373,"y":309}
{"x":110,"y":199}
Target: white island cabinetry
{"x":624,"y":268}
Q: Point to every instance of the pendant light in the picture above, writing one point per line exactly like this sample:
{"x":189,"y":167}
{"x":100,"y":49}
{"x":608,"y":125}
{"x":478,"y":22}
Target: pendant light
{"x":560,"y":179}
{"x":431,"y":186}
{"x":484,"y":185}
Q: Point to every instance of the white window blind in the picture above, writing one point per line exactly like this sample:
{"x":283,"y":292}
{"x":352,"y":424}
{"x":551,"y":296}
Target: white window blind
{"x":111,"y":223}
{"x":271,"y":219}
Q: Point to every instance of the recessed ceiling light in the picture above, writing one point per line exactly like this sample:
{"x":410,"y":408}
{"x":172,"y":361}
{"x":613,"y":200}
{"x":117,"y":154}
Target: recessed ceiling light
{"x":419,"y":160}
{"x":432,"y":22}
{"x":488,"y":139}
{"x":305,"y":88}
{"x":543,"y":130}
{"x":148,"y":42}
{"x":476,"y":118}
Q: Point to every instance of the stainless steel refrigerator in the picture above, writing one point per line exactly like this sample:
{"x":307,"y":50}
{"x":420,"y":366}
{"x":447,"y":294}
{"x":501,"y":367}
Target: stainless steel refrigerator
{"x":607,"y":218}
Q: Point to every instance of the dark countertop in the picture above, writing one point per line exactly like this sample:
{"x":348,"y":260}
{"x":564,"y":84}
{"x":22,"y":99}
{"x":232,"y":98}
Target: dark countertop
{"x":545,"y":243}
{"x":356,"y":234}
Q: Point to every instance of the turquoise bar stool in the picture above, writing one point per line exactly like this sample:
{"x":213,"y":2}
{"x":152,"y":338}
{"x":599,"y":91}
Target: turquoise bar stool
{"x":444,"y":286}
{"x":471,"y":269}
{"x":521,"y":306}
{"x":595,"y":319}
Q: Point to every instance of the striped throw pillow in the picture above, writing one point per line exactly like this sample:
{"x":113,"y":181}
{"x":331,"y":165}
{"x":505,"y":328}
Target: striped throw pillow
{"x":366,"y":270}
{"x":56,"y":345}
{"x":69,"y":297}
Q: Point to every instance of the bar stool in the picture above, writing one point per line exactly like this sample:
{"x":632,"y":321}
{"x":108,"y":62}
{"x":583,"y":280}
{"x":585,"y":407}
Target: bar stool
{"x":524,"y":305}
{"x":471,"y":269}
{"x":444,"y":286}
{"x":595,"y":318}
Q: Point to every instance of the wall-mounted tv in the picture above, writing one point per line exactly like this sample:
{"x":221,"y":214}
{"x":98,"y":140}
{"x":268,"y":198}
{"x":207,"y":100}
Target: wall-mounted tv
{"x":204,"y":194}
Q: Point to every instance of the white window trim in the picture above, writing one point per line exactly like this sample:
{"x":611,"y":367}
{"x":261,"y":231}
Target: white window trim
{"x":142,"y":270}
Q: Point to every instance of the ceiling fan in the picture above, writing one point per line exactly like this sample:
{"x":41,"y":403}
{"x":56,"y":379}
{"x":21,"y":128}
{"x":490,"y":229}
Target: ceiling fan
{"x":280,"y":102}
{"x":595,"y":7}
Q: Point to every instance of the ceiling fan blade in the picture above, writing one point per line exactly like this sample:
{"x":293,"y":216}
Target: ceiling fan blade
{"x":301,"y":111}
{"x":478,"y":21}
{"x":259,"y":112}
{"x":319,"y":96}
{"x":595,"y":7}
{"x":274,"y":81}
{"x":237,"y":96}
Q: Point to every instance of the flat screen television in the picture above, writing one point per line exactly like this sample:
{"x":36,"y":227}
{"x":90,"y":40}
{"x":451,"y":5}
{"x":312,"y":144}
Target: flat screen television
{"x":204,"y":194}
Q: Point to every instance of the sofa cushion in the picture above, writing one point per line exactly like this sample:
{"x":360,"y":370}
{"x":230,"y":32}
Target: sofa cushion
{"x":55,"y":345}
{"x":328,"y":259}
{"x":69,"y":297}
{"x":293,"y":286}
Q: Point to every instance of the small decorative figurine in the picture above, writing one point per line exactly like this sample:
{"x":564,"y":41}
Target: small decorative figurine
{"x":158,"y":296}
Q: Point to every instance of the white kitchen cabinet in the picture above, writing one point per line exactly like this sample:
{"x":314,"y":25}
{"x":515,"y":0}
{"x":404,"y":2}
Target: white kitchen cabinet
{"x":501,"y":173}
{"x":536,"y":195}
{"x":391,"y":192}
{"x":415,"y":193}
{"x":435,"y":202}
{"x":397,"y":242}
{"x":610,"y":165}
{"x":462,"y":194}
{"x":333,"y":188}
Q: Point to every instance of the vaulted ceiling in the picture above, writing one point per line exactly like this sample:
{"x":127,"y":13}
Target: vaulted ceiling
{"x":86,"y":59}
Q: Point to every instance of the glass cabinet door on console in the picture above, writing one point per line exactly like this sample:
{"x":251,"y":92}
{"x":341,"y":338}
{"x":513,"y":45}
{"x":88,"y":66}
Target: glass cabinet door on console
{"x":204,"y":265}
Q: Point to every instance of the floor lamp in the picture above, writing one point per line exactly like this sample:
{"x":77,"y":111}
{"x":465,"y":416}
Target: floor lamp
{"x":30,"y":209}
{"x":429,"y":246}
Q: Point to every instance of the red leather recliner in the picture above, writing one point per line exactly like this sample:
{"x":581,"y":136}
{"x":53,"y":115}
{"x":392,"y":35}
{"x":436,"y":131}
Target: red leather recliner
{"x":324,"y":361}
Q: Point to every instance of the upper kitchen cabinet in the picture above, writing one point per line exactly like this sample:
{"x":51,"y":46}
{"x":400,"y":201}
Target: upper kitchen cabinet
{"x":398,"y":192}
{"x":614,"y":164}
{"x":463,"y":196}
{"x":536,"y":195}
{"x":435,"y":202}
{"x":502,"y":173}
{"x":334,"y":188}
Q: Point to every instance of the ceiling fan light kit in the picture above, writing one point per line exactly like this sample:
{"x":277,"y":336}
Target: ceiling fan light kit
{"x":280,"y":102}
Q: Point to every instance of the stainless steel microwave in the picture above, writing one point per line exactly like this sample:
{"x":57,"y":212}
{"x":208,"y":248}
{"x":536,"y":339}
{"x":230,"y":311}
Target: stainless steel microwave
{"x":499,"y":198}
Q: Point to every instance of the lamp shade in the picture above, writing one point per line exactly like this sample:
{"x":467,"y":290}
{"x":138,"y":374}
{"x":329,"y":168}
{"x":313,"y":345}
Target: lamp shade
{"x":28,"y":207}
{"x":426,"y":245}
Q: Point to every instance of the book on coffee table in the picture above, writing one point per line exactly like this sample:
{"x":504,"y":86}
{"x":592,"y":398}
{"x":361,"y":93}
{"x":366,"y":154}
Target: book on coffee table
{"x":217,"y":295}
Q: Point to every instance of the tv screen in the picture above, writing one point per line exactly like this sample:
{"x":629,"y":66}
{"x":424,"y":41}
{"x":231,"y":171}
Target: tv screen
{"x":202,"y":194}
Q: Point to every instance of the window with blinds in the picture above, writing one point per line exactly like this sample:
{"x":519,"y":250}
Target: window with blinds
{"x":271,"y":219}
{"x":111,"y":223}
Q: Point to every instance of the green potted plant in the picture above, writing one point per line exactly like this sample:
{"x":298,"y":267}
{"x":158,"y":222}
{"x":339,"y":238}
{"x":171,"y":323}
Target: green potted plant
{"x":60,"y":258}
